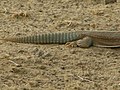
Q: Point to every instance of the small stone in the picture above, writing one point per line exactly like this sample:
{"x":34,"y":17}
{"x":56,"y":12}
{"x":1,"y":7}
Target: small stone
{"x":19,"y":70}
{"x":22,"y":51}
{"x":15,"y":70}
{"x":37,"y":52}
{"x":72,"y":51}
{"x":40,"y":53}
{"x":87,"y":19}
{"x":100,"y":12}
{"x":63,"y":68}
{"x":43,"y":67}
{"x":46,"y":54}
{"x":33,"y":84}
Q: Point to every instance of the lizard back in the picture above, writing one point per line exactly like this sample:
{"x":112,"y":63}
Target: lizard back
{"x":103,"y":38}
{"x":102,"y":34}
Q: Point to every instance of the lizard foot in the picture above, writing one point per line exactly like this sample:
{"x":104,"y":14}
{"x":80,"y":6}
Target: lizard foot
{"x":71,"y":44}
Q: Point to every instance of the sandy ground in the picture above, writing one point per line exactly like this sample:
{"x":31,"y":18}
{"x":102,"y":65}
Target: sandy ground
{"x":56,"y":67}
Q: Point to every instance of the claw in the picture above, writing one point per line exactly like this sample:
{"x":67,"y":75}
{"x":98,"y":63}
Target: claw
{"x":71,"y":44}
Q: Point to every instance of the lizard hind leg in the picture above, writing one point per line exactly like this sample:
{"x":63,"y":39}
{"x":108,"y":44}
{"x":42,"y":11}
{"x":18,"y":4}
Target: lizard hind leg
{"x":85,"y":42}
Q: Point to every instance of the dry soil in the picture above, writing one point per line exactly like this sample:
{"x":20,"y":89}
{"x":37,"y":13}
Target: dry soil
{"x":57,"y":67}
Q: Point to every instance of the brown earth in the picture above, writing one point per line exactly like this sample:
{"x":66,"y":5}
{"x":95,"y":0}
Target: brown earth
{"x":56,"y":67}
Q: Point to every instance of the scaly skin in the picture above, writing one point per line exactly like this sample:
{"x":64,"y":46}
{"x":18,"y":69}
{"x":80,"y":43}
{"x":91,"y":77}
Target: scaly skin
{"x":47,"y":38}
{"x":78,"y":38}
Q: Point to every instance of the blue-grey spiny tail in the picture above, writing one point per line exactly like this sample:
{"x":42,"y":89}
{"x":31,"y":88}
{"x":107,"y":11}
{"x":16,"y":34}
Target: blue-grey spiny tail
{"x":47,"y":38}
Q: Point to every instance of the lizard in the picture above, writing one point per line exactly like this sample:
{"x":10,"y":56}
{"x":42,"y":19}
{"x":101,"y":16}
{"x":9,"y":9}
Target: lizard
{"x":83,"y":39}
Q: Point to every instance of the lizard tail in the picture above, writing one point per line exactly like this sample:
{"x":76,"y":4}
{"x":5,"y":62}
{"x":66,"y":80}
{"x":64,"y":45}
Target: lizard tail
{"x":10,"y":39}
{"x":48,"y":38}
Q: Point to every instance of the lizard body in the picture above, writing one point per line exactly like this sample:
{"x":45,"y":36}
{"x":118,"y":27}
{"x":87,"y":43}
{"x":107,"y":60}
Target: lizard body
{"x":77,"y":38}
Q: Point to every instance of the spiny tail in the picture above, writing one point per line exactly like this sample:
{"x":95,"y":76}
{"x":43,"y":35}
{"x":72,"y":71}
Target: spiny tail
{"x":48,"y":38}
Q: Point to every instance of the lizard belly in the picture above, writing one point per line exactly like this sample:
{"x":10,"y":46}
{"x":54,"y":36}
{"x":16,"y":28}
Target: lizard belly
{"x":106,"y":43}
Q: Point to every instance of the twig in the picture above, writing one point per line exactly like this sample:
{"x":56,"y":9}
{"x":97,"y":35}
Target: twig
{"x":18,"y":65}
{"x":84,"y":79}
